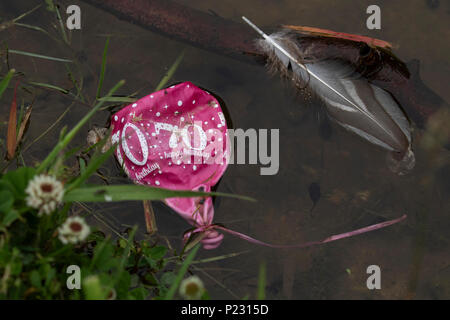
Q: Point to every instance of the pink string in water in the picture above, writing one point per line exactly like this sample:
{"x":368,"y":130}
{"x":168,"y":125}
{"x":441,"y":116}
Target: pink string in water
{"x":202,"y":219}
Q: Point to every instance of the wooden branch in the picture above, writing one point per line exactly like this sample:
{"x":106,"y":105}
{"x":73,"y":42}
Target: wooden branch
{"x":236,"y":40}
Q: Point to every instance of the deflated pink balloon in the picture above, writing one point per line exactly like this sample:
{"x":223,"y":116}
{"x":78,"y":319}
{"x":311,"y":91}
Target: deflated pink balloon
{"x":175,"y":138}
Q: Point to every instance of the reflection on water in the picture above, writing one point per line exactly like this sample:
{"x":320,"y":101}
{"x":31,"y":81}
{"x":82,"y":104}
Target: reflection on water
{"x":357,"y":188}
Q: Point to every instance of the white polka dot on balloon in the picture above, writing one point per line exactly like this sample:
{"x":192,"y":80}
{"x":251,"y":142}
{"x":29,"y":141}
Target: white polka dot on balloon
{"x":180,"y":103}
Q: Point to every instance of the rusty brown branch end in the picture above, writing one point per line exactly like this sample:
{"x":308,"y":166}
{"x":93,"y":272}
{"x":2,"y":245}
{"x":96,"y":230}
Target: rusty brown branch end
{"x":176,"y":21}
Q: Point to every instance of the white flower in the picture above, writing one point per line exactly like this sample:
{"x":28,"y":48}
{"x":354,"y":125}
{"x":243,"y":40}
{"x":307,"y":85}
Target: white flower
{"x":192,"y":288}
{"x":44,"y":193}
{"x":73,"y":230}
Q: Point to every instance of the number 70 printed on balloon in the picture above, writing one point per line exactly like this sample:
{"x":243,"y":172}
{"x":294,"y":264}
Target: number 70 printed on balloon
{"x":180,"y":130}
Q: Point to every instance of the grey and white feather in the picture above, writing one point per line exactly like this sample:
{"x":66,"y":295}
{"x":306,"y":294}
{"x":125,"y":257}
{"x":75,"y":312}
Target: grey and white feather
{"x":350,"y":99}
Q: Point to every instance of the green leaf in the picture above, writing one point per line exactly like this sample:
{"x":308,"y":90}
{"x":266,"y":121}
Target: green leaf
{"x":5,"y":81}
{"x":35,"y":278}
{"x":18,"y":179}
{"x":50,"y":274}
{"x":6,"y":200}
{"x":82,"y":164}
{"x":158,"y":252}
{"x":103,"y":259}
{"x":123,"y":259}
{"x":16,"y":267}
{"x":123,"y":243}
{"x":123,"y":284}
{"x":135,"y":192}
{"x":9,"y":218}
{"x":149,"y":279}
{"x":167,"y":279}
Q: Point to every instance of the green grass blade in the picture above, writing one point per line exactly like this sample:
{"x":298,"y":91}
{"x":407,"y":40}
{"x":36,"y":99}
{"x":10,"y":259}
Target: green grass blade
{"x":5,"y":81}
{"x":39,"y":56}
{"x":130,"y":192}
{"x":117,"y":99}
{"x":261,"y":294}
{"x":49,"y":86}
{"x":69,"y":136}
{"x":29,"y":26}
{"x":124,"y":258}
{"x":173,"y":289}
{"x":170,"y":73}
{"x":218,"y":258}
{"x":26,"y":13}
{"x":93,"y":165}
{"x":61,"y":25}
{"x":103,"y":68}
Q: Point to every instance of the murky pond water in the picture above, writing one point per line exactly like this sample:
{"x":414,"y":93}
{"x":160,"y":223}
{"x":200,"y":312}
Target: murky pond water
{"x":357,"y":188}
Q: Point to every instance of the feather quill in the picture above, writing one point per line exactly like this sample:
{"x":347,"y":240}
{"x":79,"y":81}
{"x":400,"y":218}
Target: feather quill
{"x":350,"y":99}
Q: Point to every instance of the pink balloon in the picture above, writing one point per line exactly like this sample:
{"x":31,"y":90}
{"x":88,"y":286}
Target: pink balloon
{"x":176,"y":138}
